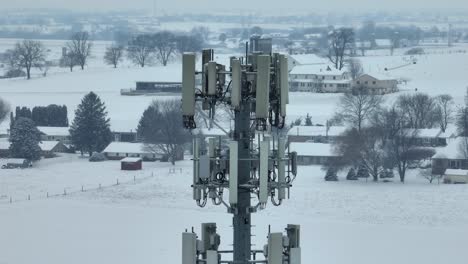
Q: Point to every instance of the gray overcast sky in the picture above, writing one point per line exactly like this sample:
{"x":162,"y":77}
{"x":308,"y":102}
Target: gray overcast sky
{"x":184,"y":6}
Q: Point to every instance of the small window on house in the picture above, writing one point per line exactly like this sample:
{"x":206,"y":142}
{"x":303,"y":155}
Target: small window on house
{"x":358,"y":82}
{"x":334,"y":77}
{"x":366,"y":82}
{"x":323,"y":77}
{"x":117,"y":154}
{"x":126,"y":154}
{"x":373,"y":82}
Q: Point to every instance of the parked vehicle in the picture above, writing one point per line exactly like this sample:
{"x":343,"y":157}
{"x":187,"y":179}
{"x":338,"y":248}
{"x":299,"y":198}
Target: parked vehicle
{"x":17,"y":164}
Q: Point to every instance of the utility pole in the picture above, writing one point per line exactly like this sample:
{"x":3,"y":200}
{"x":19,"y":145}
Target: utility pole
{"x":250,"y":168}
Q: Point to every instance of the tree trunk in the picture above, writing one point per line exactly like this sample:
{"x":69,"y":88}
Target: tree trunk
{"x":82,"y":66}
{"x":28,"y":73}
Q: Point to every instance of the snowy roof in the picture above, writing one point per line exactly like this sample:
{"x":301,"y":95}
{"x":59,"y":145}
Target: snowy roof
{"x":452,"y":150}
{"x":379,"y":76}
{"x":312,"y":149}
{"x":450,"y":132}
{"x":44,"y":145}
{"x":125,"y":147}
{"x":308,"y":59}
{"x":383,"y":42}
{"x":13,"y":161}
{"x":210,"y":132}
{"x":423,"y":132}
{"x":333,"y":131}
{"x":54,"y":131}
{"x":456,"y":172}
{"x":129,"y":159}
{"x":48,"y":145}
{"x":317,"y":70}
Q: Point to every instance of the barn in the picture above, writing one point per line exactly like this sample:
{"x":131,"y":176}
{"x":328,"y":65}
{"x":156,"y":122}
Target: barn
{"x":131,"y":164}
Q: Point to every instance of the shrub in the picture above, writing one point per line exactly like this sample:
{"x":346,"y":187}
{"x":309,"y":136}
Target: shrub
{"x":97,"y":157}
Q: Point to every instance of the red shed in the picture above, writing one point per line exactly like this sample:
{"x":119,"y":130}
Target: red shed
{"x":131,"y":164}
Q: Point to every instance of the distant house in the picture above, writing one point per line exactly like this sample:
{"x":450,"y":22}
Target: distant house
{"x":313,"y":153}
{"x":315,"y":133}
{"x":47,"y":147}
{"x":318,"y":78}
{"x":452,"y":156}
{"x":50,"y":147}
{"x":120,"y":150}
{"x":125,"y":136}
{"x":154,"y":88}
{"x":426,"y":137}
{"x":376,"y":84}
{"x":305,"y":59}
{"x":383,"y":43}
{"x":55,"y":134}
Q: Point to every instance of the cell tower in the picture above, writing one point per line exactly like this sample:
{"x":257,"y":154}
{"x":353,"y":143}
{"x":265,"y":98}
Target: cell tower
{"x":255,"y":166}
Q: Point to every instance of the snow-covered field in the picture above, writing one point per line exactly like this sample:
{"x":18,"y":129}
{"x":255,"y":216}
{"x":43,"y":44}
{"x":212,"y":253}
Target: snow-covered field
{"x":141,"y":222}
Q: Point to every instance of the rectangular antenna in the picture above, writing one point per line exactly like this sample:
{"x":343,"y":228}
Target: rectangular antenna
{"x":275,"y":248}
{"x":295,"y":256}
{"x":284,"y":83}
{"x":263,"y":86}
{"x":189,"y":248}
{"x":211,"y":77}
{"x":236,"y":84}
{"x":264,"y":156}
{"x":211,"y":257}
{"x":233,"y":170}
{"x":196,"y":168}
{"x":281,"y":168}
{"x":188,"y":84}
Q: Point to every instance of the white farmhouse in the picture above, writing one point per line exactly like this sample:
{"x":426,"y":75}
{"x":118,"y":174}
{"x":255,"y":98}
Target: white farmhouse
{"x":319,"y":78}
{"x":120,"y":150}
{"x":61,"y":134}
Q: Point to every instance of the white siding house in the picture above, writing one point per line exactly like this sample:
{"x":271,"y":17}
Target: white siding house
{"x":120,"y":150}
{"x":318,"y":78}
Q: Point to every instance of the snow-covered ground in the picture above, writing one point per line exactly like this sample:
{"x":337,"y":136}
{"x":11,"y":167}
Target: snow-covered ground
{"x":141,"y":222}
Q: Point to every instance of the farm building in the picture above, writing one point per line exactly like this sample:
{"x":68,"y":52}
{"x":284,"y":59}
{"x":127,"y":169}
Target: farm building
{"x":376,"y":84}
{"x":47,"y":147}
{"x":315,"y":133}
{"x":15,"y":163}
{"x":318,"y":78}
{"x":55,"y":134}
{"x":120,"y":150}
{"x":313,"y":153}
{"x":456,"y":176}
{"x":452,"y":156}
{"x":131,"y":164}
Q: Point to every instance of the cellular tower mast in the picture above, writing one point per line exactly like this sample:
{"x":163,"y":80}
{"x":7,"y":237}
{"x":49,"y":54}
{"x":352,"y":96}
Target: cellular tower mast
{"x":255,"y":166}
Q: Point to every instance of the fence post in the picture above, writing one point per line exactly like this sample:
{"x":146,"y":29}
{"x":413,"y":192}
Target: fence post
{"x":117,"y":182}
{"x":29,"y":197}
{"x":134,"y":178}
{"x":82,"y":188}
{"x":11,"y":200}
{"x":64,"y":191}
{"x":47,"y":196}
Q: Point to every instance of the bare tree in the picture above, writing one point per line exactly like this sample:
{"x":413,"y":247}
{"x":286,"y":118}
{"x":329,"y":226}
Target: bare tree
{"x":80,"y":46}
{"x":68,"y":60}
{"x":428,"y":175}
{"x":357,"y":106}
{"x":462,"y":122}
{"x":339,"y":41}
{"x":445,"y":110}
{"x":161,"y":130}
{"x":28,"y":54}
{"x":203,"y":32}
{"x":420,"y":110}
{"x":361,"y":148}
{"x":355,"y":68}
{"x":188,"y":43}
{"x":114,"y":55}
{"x":164,"y":46}
{"x":140,"y":50}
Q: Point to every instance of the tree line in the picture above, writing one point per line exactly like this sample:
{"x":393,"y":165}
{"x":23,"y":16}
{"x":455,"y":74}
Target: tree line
{"x":51,"y":115}
{"x":382,"y":138}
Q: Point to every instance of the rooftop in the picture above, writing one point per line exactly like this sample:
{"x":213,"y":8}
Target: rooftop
{"x":125,"y":147}
{"x":316,"y":70}
{"x":316,"y":131}
{"x":312,"y":149}
{"x":453,"y":150}
{"x":308,"y":59}
{"x":54,"y":131}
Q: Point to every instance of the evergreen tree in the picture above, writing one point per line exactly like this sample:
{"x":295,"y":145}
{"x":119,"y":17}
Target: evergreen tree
{"x":331,"y":175}
{"x":351,"y":176}
{"x":23,"y":112}
{"x":308,"y":120}
{"x":362,"y":172}
{"x":90,"y":131}
{"x":25,"y":139}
